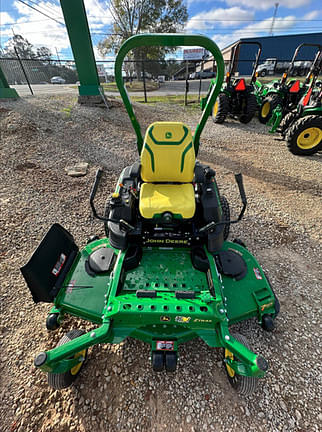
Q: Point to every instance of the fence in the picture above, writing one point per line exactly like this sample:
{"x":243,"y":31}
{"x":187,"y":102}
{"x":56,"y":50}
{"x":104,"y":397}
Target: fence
{"x":41,"y":71}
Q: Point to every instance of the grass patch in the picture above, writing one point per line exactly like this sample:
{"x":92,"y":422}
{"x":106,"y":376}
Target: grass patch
{"x":132,"y":87}
{"x":170,"y":99}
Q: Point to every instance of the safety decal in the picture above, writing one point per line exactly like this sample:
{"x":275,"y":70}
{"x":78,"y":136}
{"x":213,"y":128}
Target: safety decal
{"x":165,"y":318}
{"x":70,"y":286}
{"x":257,"y":273}
{"x":182,"y":319}
{"x":165,"y":345}
{"x":59,"y":264}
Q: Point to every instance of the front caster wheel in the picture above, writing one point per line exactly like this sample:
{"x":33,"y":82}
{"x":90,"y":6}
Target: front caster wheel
{"x":52,"y":321}
{"x":268,"y":323}
{"x":244,"y":385}
{"x":62,"y":380}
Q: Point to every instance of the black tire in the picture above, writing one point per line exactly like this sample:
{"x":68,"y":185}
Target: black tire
{"x":63,"y":380}
{"x":225,"y":214}
{"x":267,"y":107}
{"x":263,"y":73}
{"x":302,"y":143}
{"x":286,"y":123}
{"x":249,"y":109}
{"x":244,"y":385}
{"x":220,"y":108}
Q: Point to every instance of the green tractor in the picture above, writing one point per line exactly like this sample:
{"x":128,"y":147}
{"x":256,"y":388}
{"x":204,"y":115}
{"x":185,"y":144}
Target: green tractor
{"x":302,"y":128}
{"x":280,"y":97}
{"x":236,"y":98}
{"x":165,"y":273}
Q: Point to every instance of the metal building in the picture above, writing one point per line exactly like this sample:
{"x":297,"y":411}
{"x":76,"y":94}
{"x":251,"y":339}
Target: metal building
{"x":280,"y":47}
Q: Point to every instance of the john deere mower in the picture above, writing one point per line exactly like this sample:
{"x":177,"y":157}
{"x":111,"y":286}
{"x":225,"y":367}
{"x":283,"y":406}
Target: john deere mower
{"x":280,"y":97}
{"x":236,"y":98}
{"x":165,"y":273}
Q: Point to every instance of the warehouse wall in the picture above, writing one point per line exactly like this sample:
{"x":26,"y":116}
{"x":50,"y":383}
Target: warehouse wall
{"x":281,"y":47}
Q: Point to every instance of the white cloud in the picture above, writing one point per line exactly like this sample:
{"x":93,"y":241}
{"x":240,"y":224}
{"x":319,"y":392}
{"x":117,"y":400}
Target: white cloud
{"x":42,"y":31}
{"x":312,"y":15}
{"x":268,"y":4}
{"x":223,"y":17}
{"x":39,"y":30}
{"x":253,"y":30}
{"x":5,"y":18}
{"x":98,"y":14}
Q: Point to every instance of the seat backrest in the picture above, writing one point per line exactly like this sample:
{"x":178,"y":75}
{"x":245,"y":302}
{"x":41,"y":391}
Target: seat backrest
{"x":168,"y":154}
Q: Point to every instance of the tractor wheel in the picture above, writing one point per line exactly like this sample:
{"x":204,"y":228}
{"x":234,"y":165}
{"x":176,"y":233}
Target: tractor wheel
{"x":249,"y":109}
{"x":220,"y":108}
{"x":286,"y":123}
{"x":62,"y":380}
{"x":304,"y":138}
{"x":244,"y":385}
{"x":225,"y":214}
{"x":268,"y":106}
{"x":263,"y":73}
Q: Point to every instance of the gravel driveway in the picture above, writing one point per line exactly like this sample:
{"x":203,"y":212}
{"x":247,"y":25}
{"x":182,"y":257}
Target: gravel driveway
{"x":117,"y":390}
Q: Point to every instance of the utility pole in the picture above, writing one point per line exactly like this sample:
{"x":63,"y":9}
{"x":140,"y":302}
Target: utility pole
{"x":58,"y":56}
{"x":273,"y":20}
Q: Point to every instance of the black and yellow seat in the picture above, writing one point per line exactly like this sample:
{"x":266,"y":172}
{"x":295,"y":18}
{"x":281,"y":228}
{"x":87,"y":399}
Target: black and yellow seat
{"x":167,"y":171}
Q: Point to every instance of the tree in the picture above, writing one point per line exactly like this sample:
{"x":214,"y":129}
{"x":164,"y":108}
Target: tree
{"x":23,"y":47}
{"x":44,"y":53}
{"x":132,"y":17}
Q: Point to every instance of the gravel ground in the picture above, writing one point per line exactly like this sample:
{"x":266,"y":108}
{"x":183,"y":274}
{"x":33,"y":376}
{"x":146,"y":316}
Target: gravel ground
{"x":117,"y":390}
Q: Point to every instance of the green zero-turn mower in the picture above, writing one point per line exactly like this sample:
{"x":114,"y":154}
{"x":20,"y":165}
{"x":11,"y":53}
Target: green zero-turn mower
{"x":165,"y":273}
{"x":236,"y":98}
{"x":280,"y":97}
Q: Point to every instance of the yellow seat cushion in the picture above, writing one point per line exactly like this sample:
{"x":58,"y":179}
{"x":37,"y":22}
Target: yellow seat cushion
{"x":168,"y":154}
{"x":156,"y":199}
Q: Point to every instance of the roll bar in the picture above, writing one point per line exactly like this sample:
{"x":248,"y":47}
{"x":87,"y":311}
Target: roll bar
{"x":234,"y":55}
{"x":171,"y":40}
{"x":286,"y":74}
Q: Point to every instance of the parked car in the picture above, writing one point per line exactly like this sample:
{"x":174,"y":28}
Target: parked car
{"x":57,"y":80}
{"x":204,"y":74}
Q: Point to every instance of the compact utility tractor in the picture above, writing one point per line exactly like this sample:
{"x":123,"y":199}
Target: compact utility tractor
{"x":302,"y":128}
{"x":236,"y":98}
{"x":165,"y":273}
{"x":280,"y":97}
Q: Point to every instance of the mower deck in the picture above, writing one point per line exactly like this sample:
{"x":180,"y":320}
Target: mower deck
{"x":165,"y":288}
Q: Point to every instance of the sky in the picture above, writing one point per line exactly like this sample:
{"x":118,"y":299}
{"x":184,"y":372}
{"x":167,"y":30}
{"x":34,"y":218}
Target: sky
{"x":225,"y":21}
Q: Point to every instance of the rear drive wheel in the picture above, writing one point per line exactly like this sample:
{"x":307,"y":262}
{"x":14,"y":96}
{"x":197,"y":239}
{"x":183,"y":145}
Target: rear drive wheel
{"x":249,"y":109}
{"x":244,"y":385}
{"x":268,"y":106}
{"x":62,"y":380}
{"x":304,"y":138}
{"x":286,"y":122}
{"x":225,"y":214}
{"x":220,"y":108}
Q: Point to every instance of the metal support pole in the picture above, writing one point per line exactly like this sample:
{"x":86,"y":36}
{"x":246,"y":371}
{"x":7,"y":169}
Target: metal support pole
{"x":187,"y":85}
{"x":23,"y":70}
{"x":144,"y":86}
{"x":81,"y":44}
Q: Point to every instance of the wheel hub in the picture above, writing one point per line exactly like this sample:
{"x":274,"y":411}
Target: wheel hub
{"x":309,"y":138}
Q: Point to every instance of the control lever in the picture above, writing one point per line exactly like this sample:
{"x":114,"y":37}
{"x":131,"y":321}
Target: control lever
{"x":122,"y":222}
{"x":99,"y":174}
